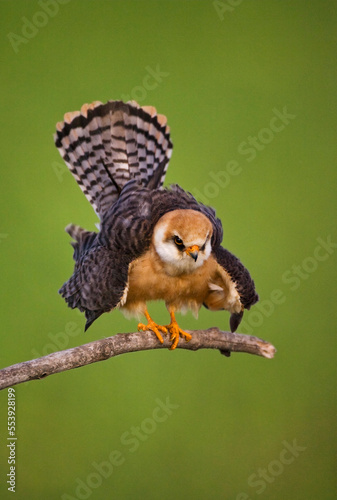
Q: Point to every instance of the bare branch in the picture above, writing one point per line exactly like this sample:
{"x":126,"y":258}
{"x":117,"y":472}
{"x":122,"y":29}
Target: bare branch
{"x":99,"y":350}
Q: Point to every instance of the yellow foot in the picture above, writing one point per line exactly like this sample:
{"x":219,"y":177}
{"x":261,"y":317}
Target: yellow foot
{"x":175,"y":331}
{"x":151,"y":325}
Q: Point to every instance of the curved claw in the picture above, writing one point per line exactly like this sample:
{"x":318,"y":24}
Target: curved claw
{"x":176,"y":332}
{"x":154,"y":327}
{"x":172,"y":328}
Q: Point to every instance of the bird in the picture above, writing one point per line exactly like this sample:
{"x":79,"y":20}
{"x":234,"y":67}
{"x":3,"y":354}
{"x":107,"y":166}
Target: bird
{"x":153,"y":242}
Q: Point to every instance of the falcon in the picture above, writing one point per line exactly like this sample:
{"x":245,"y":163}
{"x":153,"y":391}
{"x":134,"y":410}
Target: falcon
{"x":154,"y":243}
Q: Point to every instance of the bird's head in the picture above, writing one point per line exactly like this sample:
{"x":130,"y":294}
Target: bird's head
{"x":182,"y":239}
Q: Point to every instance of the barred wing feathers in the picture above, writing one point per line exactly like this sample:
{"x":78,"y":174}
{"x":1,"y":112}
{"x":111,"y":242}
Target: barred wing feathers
{"x":102,"y":259}
{"x":106,"y":145}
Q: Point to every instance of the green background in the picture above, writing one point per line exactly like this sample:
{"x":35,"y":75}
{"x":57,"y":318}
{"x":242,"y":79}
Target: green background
{"x":224,"y":68}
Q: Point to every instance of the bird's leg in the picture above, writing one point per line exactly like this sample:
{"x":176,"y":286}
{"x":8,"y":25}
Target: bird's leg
{"x":151,"y":325}
{"x":175,"y":331}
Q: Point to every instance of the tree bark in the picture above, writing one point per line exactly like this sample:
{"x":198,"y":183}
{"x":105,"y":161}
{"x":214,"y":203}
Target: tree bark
{"x":122,"y":343}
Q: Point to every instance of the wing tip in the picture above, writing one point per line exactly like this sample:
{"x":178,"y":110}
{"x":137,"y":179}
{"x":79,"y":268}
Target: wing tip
{"x":235,"y":321}
{"x":91,"y":316}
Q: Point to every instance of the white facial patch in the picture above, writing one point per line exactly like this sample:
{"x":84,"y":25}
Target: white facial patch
{"x":165,"y":250}
{"x":178,"y":260}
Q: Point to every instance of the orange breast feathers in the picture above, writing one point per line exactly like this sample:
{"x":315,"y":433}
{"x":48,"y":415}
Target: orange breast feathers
{"x":209,"y":284}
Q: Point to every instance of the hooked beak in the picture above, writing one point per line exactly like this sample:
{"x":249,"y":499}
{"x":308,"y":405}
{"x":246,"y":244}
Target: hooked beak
{"x":193,"y":252}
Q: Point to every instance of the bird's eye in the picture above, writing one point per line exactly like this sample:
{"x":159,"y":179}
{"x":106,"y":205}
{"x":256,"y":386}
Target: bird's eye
{"x":178,"y":241}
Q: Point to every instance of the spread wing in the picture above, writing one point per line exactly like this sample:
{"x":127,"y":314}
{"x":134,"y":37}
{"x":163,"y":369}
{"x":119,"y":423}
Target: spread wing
{"x":99,"y":279}
{"x":119,"y":153}
{"x":240,"y":276}
{"x":102,"y":259}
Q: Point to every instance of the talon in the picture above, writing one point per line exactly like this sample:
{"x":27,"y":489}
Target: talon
{"x":175,"y":340}
{"x":172,"y":328}
{"x":154,"y":327}
{"x":175,"y":332}
{"x":187,"y":336}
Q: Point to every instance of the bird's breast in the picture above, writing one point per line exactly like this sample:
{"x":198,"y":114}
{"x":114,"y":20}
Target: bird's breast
{"x":149,"y":280}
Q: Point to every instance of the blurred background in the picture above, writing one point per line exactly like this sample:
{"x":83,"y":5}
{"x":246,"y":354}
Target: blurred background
{"x":249,"y":89}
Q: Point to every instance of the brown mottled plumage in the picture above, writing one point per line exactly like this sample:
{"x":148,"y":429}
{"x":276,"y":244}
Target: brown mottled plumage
{"x":153,"y":243}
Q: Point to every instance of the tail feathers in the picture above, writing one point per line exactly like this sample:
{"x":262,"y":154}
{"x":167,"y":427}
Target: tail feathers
{"x":106,"y":145}
{"x":158,"y":175}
